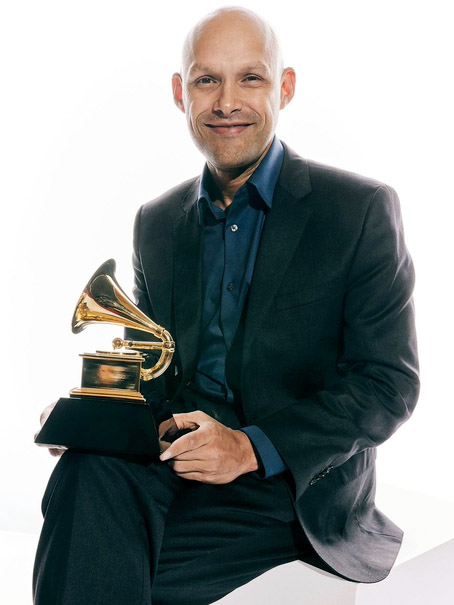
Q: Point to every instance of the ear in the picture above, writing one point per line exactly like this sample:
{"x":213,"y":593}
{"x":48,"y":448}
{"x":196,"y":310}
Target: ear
{"x":177,"y":89}
{"x":288,"y":83}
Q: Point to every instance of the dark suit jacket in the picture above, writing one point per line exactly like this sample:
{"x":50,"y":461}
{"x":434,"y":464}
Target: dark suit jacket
{"x":329,"y":361}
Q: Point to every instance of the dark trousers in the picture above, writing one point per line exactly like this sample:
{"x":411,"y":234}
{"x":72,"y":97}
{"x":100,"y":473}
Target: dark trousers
{"x":120,"y":531}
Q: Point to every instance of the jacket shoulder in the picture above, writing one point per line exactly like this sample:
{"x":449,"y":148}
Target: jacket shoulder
{"x":325,"y":179}
{"x":342,"y":182}
{"x":339,"y":197}
{"x":171,"y":202}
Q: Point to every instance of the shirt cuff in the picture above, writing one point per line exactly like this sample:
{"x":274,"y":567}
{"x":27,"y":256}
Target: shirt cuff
{"x":272,"y":463}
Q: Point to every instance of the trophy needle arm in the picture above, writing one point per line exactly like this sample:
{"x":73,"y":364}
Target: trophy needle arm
{"x":167,"y":348}
{"x":118,"y":343}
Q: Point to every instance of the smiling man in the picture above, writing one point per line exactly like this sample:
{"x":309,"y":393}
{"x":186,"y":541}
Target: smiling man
{"x":287,"y":285}
{"x":231,"y":88}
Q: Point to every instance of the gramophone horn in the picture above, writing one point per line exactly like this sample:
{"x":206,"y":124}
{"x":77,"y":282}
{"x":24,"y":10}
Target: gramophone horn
{"x":104,"y":301}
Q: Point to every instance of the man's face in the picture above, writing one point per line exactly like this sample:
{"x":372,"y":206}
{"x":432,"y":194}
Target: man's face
{"x":231,"y":91}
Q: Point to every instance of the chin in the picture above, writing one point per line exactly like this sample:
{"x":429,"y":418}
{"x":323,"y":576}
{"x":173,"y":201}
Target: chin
{"x":231,"y":153}
{"x":231,"y":159}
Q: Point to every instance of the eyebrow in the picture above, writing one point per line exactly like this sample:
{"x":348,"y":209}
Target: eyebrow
{"x":199,"y":67}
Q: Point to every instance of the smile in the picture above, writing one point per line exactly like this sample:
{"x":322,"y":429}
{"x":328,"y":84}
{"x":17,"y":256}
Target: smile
{"x":228,"y":129}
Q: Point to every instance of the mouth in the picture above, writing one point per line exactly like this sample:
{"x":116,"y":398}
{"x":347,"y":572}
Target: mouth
{"x":229,"y":130}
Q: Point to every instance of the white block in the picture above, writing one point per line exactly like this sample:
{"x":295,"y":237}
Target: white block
{"x":423,"y":574}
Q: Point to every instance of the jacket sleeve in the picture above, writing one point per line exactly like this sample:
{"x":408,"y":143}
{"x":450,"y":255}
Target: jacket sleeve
{"x":377,"y":368}
{"x":139,"y":289}
{"x":153,"y":390}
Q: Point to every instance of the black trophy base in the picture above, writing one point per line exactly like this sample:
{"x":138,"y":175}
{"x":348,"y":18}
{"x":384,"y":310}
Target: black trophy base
{"x":101,"y":425}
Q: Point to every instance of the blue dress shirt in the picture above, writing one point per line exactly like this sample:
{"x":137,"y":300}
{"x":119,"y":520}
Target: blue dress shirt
{"x":230,"y":243}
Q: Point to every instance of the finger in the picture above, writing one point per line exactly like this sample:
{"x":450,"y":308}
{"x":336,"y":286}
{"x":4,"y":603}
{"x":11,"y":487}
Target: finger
{"x":193,"y":476}
{"x":164,"y":445}
{"x":57,"y":451}
{"x":191,"y":420}
{"x":44,"y":416}
{"x":186,"y":443}
{"x":182,"y":467}
{"x":167,"y":427}
{"x":46,"y":412}
{"x":194,"y":455}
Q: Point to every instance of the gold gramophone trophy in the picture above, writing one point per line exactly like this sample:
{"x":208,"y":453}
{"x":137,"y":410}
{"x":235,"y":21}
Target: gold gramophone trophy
{"x":108,"y":413}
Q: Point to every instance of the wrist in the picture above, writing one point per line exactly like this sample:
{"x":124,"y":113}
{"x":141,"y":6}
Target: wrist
{"x":248,"y":456}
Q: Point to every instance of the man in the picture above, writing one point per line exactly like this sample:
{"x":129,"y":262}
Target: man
{"x":287,"y":287}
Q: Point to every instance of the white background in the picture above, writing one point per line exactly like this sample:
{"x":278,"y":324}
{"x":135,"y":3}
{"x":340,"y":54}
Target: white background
{"x":89,"y":132}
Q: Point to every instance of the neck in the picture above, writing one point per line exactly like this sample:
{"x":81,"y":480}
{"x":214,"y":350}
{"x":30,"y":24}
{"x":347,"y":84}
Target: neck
{"x":228,"y":181}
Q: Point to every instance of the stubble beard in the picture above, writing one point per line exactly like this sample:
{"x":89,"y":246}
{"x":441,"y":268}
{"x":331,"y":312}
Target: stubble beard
{"x":228,"y":155}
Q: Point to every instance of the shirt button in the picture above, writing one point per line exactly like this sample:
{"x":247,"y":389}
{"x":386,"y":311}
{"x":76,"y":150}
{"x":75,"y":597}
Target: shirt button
{"x":233,"y":228}
{"x":229,"y":287}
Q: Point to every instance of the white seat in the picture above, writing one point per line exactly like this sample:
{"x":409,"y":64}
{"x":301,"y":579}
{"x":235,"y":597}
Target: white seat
{"x":423,"y":573}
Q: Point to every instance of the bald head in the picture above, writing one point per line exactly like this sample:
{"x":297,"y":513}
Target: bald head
{"x":238,"y":22}
{"x":231,"y":87}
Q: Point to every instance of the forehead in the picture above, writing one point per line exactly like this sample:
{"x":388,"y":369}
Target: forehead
{"x":230,"y":42}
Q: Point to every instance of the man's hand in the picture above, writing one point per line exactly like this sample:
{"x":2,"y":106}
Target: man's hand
{"x":53,"y":451}
{"x":211,"y":452}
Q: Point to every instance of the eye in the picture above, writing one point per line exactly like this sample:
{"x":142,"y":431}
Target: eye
{"x":252,"y":79}
{"x":204,"y":80}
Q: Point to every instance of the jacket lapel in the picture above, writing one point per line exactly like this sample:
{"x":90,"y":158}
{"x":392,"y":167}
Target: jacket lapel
{"x":283,"y":229}
{"x":187,"y":289}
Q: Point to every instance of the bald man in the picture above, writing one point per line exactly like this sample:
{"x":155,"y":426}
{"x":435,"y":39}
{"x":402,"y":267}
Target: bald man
{"x":288,"y":287}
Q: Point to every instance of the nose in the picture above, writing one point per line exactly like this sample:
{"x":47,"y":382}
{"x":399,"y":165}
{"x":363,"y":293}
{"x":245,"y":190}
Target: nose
{"x":227,"y":101}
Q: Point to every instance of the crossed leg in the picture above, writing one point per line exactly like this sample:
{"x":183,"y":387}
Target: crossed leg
{"x":125,"y":532}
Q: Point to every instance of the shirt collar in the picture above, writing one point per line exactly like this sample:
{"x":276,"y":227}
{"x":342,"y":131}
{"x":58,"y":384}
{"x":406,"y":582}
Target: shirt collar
{"x":264,"y":177}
